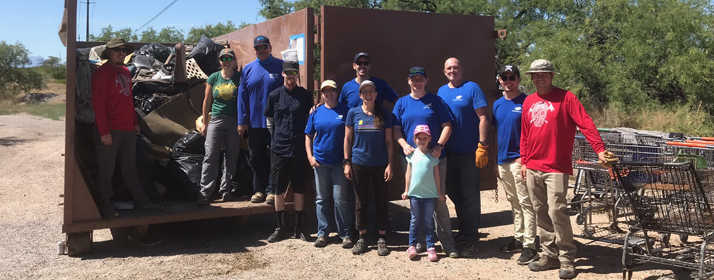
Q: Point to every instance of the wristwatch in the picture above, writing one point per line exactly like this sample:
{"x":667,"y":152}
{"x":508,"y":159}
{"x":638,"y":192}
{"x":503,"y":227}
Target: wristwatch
{"x":347,"y":161}
{"x":483,"y":143}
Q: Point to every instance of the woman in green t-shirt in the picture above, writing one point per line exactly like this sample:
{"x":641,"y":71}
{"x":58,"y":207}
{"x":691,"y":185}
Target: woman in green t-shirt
{"x":220,"y":128}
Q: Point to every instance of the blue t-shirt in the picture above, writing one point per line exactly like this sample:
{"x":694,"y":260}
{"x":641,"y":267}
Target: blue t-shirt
{"x":369,"y":147}
{"x":349,"y":95}
{"x":507,"y":119}
{"x":462,"y":102}
{"x":258,"y":79}
{"x":422,"y":184}
{"x":430,"y":110}
{"x":327,"y":126}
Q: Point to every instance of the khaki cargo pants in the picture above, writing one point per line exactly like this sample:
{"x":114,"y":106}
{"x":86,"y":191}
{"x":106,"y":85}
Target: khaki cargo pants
{"x":547,"y":191}
{"x":524,"y":218}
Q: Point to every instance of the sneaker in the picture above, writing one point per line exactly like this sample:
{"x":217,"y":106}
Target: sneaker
{"x":544,"y":263}
{"x":420,"y":248}
{"x":412,"y":253}
{"x":527,"y":256}
{"x":382,"y":249}
{"x":257,"y":197}
{"x":270,"y":199}
{"x":359,"y":247}
{"x":513,"y":246}
{"x":431,"y":255}
{"x":321,"y":242}
{"x":567,"y":271}
{"x":347,"y":243}
{"x":452,"y":254}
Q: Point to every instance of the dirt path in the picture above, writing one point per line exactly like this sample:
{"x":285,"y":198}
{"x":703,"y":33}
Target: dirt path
{"x":31,"y":157}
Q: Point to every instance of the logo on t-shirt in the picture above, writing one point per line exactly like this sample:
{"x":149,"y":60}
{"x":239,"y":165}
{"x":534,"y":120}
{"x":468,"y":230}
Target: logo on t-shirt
{"x":517,"y":110}
{"x":539,"y":111}
{"x":339,"y":117}
{"x":459,"y":98}
{"x":226,"y":91}
{"x":427,"y":106}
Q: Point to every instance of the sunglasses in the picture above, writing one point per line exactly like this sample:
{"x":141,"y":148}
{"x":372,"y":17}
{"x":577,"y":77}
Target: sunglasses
{"x":226,"y":59}
{"x":362,"y":63}
{"x":291,"y":73}
{"x":261,"y":48}
{"x":508,"y":78}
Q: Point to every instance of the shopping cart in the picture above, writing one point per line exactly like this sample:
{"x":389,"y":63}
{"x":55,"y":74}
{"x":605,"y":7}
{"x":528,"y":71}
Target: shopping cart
{"x":666,"y":199}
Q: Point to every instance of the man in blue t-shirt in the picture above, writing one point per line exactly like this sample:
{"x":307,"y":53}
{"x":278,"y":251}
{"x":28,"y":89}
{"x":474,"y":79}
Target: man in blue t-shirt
{"x":258,"y":79}
{"x":349,"y":95}
{"x":507,"y":112}
{"x":468,"y":107}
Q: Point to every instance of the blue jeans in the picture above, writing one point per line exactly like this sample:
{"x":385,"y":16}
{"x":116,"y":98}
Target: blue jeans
{"x":333,"y":189}
{"x":422,"y":221}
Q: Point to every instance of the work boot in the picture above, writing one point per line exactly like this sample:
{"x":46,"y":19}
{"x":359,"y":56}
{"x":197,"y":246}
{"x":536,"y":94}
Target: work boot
{"x":513,"y":246}
{"x":567,"y":271}
{"x":360,"y":247}
{"x":280,"y":227}
{"x":527,"y":256}
{"x":544,"y":263}
{"x":299,"y":233}
{"x":382,"y":249}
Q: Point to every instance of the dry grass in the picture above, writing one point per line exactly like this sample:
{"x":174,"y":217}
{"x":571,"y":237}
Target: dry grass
{"x":687,"y":119}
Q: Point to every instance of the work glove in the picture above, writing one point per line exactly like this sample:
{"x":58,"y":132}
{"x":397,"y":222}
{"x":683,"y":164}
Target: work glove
{"x":481,"y":156}
{"x":607,"y":159}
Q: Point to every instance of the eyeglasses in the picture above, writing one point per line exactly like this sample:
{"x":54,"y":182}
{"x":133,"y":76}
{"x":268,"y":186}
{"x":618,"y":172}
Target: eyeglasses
{"x":291,"y":73}
{"x":226,"y":59}
{"x":508,"y":78}
{"x":261,"y":48}
{"x":362,"y":63}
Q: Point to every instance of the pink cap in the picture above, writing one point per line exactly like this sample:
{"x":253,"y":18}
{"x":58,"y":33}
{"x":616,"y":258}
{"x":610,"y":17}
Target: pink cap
{"x":422,"y":128}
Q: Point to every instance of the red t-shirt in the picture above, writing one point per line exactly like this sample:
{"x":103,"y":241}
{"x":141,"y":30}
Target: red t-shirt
{"x":548,"y":128}
{"x":112,"y":99}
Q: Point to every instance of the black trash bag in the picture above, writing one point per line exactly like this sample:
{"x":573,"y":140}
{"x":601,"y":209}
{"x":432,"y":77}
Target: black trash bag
{"x":144,"y":61}
{"x":184,"y":171}
{"x":206,"y":55}
{"x":147,"y":104}
{"x":191,"y":143}
{"x":156,"y":50}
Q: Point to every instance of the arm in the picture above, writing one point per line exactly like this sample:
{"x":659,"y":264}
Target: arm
{"x":308,"y":150}
{"x":390,"y":152}
{"x":207,"y":102}
{"x":524,"y":142}
{"x":443,"y":138}
{"x":397,"y":133}
{"x":484,"y":122}
{"x":407,"y":180}
{"x":577,"y":113}
{"x":347,"y":149}
{"x":242,"y":106}
{"x":99,"y":104}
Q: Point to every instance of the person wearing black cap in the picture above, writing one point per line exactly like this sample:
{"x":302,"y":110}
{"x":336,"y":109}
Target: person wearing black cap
{"x":466,"y":151}
{"x":349,"y":95}
{"x":507,"y":112}
{"x":288,"y":106}
{"x":258,"y":79}
{"x":117,"y":126}
{"x":219,"y":120}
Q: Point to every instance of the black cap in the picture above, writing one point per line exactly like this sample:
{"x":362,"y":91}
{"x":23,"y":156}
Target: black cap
{"x":417,"y":70}
{"x":261,"y":41}
{"x":360,"y":54}
{"x":290,"y":66}
{"x":509,"y":68}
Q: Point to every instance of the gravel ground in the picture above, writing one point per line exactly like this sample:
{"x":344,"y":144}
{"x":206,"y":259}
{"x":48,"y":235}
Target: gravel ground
{"x":31,"y":152}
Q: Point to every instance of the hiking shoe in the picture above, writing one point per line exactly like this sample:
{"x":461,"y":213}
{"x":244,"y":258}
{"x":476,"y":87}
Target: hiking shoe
{"x":512,"y":247}
{"x":359,"y":247}
{"x":347,"y":243}
{"x":420,"y":247}
{"x":469,"y":251}
{"x":452,"y":254}
{"x":527,"y":256}
{"x":321,"y":242}
{"x":277,"y":235}
{"x":544,"y":263}
{"x":431,"y":254}
{"x":382,"y":249}
{"x":270,"y":199}
{"x":567,"y":271}
{"x":257,"y":197}
{"x":412,"y":253}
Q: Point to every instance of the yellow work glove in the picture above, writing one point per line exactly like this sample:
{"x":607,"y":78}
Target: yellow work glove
{"x":607,"y":159}
{"x":481,"y":156}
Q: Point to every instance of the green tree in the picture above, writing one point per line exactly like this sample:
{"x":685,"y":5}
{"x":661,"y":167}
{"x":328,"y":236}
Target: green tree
{"x":211,"y":31}
{"x":108,"y":33}
{"x":54,"y":68}
{"x":14,"y":77}
{"x":165,"y":35}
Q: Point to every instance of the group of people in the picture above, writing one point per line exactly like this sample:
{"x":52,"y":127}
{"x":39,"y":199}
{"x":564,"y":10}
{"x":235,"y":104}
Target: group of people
{"x":348,"y":141}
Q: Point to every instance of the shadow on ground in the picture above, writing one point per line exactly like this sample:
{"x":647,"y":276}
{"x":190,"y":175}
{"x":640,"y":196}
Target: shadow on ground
{"x":11,"y":141}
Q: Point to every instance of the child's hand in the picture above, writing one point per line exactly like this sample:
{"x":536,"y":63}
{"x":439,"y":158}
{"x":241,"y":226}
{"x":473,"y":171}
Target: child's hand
{"x":404,"y":195}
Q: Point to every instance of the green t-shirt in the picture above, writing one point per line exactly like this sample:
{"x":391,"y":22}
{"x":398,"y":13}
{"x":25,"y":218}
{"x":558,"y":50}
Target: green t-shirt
{"x":224,"y":93}
{"x":422,"y":183}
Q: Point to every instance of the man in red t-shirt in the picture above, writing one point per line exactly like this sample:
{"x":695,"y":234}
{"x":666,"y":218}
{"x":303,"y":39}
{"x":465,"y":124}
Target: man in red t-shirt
{"x":550,"y":117}
{"x":116,"y":123}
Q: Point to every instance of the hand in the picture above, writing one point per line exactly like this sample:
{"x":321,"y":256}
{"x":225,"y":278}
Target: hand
{"x":313,"y":162}
{"x":518,"y":160}
{"x":348,"y":171}
{"x":106,"y":139}
{"x":408,"y":149}
{"x":607,"y":158}
{"x":404,"y":196}
{"x":242,"y":129}
{"x":442,"y":197}
{"x":388,"y":173}
{"x":523,"y":171}
{"x":481,"y":156}
{"x":436,"y":151}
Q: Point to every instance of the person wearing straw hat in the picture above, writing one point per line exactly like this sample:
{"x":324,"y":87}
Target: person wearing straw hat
{"x":550,"y":118}
{"x":219,"y":111}
{"x":324,"y":142}
{"x":117,"y":126}
{"x":288,"y":106}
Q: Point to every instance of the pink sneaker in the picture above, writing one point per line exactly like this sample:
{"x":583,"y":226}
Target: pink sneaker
{"x":412,"y":253}
{"x":431,"y":254}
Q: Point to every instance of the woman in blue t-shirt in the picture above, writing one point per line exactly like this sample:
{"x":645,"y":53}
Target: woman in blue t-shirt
{"x":367,"y":161}
{"x":324,"y":139}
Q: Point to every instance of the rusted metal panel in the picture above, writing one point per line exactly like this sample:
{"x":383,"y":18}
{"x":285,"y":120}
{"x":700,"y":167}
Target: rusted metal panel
{"x":398,"y":40}
{"x":279,"y":30}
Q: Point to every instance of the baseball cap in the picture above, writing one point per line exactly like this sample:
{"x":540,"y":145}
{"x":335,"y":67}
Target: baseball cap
{"x":261,"y":41}
{"x":541,"y":66}
{"x":366,"y":83}
{"x":509,"y":68}
{"x":226,"y":52}
{"x":417,"y":70}
{"x":422,"y":128}
{"x":328,"y":83}
{"x":290,"y":66}
{"x":360,"y":54}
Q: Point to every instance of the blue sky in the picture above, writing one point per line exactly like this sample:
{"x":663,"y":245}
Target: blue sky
{"x":36,"y":26}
